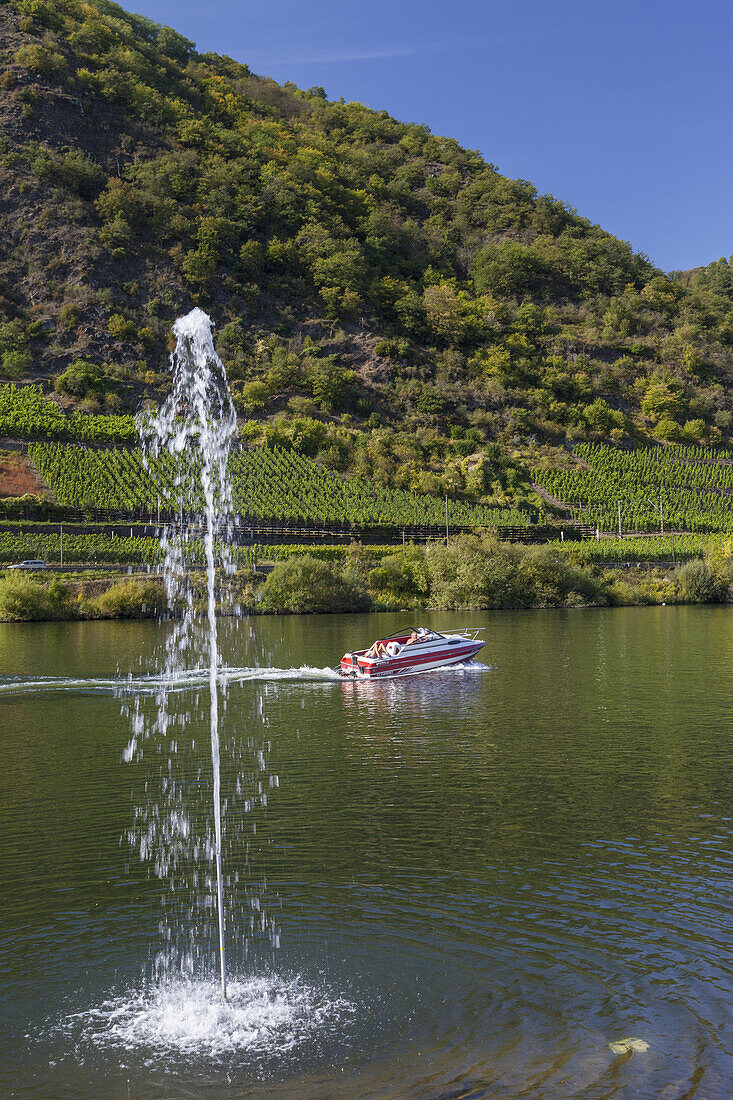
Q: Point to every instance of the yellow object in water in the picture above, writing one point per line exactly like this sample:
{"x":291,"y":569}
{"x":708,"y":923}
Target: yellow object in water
{"x":628,"y":1046}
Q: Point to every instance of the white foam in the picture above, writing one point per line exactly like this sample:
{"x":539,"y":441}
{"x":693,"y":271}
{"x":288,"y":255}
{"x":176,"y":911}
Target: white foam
{"x":151,"y":685}
{"x":262,"y":1014}
{"x":195,"y":324}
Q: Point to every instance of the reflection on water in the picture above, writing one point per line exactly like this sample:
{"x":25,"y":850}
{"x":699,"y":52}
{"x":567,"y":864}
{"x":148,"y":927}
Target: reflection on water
{"x":488,"y":882}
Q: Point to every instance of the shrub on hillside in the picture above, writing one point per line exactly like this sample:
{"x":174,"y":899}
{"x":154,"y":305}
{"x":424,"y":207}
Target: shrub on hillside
{"x":41,"y":58}
{"x":72,"y":169}
{"x":80,"y":379}
{"x":306,"y":584}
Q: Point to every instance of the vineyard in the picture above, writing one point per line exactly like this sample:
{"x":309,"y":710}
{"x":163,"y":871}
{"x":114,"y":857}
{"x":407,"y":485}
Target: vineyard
{"x":640,"y":548}
{"x":695,"y":485}
{"x":79,"y":547}
{"x":26,"y":414}
{"x":268,"y":484}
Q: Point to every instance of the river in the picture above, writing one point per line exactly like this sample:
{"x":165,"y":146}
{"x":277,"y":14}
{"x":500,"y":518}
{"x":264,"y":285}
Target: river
{"x":480,"y":878}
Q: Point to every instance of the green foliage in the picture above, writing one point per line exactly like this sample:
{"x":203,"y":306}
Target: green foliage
{"x":662,"y":399}
{"x":42,"y":59}
{"x":71,"y":168}
{"x":307,"y":584}
{"x":402,"y":575}
{"x":602,"y":419}
{"x":15,"y":354}
{"x":328,"y":382}
{"x":507,"y":269}
{"x":15,"y":362}
{"x":83,"y":547}
{"x":638,"y":549}
{"x":486,"y":303}
{"x":698,"y":583}
{"x":478,"y":573}
{"x":24,"y":599}
{"x":131,"y":599}
{"x":80,"y":379}
{"x":121,"y":328}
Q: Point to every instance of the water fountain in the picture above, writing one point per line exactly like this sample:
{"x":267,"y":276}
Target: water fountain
{"x":184,"y":1004}
{"x":193,"y":431}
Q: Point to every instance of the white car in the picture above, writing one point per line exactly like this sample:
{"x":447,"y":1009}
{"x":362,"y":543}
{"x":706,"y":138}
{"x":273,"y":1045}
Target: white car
{"x":32,"y":563}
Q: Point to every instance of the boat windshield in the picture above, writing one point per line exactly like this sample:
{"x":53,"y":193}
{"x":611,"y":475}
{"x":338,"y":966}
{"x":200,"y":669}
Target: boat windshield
{"x":423,"y":634}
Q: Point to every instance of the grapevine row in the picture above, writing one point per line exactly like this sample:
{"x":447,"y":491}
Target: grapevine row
{"x":274,"y":484}
{"x":696,"y":494}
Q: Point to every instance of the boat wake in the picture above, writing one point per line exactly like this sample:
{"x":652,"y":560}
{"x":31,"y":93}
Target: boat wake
{"x":153,"y":685}
{"x":193,"y":679}
{"x":262,"y":1014}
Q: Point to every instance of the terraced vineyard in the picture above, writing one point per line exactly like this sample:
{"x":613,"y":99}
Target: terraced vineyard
{"x":26,"y":414}
{"x":274,"y":485}
{"x":695,"y":485}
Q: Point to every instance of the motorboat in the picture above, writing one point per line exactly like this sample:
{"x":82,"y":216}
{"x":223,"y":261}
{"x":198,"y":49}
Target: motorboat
{"x":407,"y":652}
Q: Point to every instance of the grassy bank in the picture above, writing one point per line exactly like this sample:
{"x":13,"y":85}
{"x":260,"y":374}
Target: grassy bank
{"x":472,"y":573}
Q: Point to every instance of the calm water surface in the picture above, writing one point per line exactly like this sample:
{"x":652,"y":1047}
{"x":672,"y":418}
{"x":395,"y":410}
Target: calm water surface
{"x":480,"y":877}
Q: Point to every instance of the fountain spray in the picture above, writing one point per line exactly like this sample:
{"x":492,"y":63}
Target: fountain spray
{"x":193,"y":431}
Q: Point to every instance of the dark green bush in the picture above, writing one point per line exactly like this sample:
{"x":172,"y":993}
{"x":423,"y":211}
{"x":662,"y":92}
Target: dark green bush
{"x":474,"y":572}
{"x":306,"y":584}
{"x":81,"y":379}
{"x":402,"y":575}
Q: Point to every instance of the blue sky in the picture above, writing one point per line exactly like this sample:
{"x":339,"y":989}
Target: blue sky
{"x":622,"y":109}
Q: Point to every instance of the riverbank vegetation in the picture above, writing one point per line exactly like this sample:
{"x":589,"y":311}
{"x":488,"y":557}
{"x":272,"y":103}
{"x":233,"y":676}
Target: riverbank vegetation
{"x":471,"y":573}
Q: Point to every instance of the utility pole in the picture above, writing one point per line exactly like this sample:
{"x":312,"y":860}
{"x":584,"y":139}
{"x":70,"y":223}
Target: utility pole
{"x":61,"y":540}
{"x":661,"y":516}
{"x":619,"y":519}
{"x":446,"y":519}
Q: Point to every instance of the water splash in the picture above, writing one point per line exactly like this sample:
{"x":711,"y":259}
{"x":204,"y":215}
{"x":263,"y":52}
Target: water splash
{"x":193,"y":433}
{"x":262,"y":1014}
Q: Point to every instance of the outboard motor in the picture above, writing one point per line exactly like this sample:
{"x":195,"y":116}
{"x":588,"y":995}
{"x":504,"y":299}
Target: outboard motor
{"x":354,"y":662}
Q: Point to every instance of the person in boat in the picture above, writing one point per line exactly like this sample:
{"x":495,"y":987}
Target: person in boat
{"x":414,"y":637}
{"x":376,"y":649}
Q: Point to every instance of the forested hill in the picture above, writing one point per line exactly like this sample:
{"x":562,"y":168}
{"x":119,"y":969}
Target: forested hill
{"x":382,"y":296}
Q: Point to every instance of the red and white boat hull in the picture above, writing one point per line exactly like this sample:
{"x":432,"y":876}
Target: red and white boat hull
{"x":437,"y":651}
